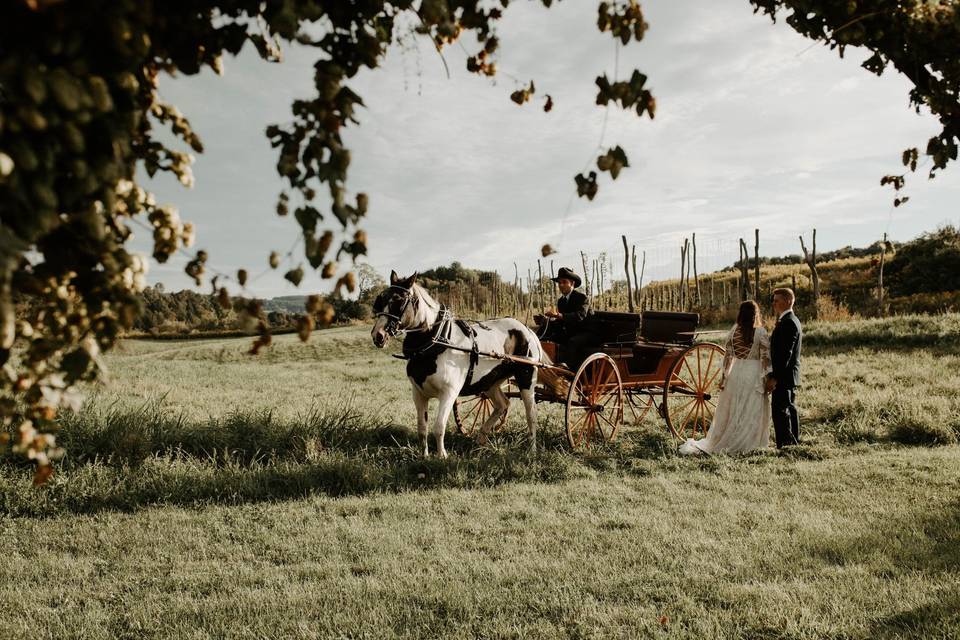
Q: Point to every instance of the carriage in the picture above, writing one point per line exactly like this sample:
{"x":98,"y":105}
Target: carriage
{"x":643,"y":362}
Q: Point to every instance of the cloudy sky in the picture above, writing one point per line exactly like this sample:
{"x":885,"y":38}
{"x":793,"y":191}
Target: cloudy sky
{"x":754,"y":129}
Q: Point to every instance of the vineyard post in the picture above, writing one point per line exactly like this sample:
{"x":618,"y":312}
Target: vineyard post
{"x":596,"y":283}
{"x":517,"y":301}
{"x":696,"y":276}
{"x":744,"y":272}
{"x":883,"y":255}
{"x":586,"y":276}
{"x":626,"y":270}
{"x":540,"y":284}
{"x":811,"y":259}
{"x":683,"y":266}
{"x":756,"y":264}
{"x":643,"y":267}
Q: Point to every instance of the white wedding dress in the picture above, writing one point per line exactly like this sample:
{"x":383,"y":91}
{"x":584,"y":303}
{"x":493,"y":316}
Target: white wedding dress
{"x":742,"y":418}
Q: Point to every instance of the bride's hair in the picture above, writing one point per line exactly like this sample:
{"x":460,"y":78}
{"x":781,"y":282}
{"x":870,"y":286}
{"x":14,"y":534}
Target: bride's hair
{"x":748,"y":320}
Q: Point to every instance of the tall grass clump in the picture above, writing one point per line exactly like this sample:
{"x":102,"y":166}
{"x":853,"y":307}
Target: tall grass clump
{"x":939,"y":333}
{"x":895,"y":417}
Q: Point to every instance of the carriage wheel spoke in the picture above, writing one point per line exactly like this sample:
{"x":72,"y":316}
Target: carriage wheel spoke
{"x":686,"y":419}
{"x":699,"y":365}
{"x":613,"y":427}
{"x":686,"y":363}
{"x":680,"y":409}
{"x":476,"y":416}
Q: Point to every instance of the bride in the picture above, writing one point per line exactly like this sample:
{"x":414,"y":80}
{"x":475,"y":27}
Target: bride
{"x":742,"y":419}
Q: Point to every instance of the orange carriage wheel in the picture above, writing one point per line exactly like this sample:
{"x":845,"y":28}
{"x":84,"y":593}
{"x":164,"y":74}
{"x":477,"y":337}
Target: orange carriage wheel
{"x":640,"y":404}
{"x":594,"y":402}
{"x":691,"y":389}
{"x":471,"y":412}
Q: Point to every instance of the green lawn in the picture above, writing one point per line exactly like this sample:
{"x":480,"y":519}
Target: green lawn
{"x":283,"y":498}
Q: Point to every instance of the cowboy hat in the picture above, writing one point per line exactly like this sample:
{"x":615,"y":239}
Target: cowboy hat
{"x":569,"y":275}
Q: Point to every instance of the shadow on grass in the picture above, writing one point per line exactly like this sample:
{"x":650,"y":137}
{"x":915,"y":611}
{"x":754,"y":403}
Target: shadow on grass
{"x":126,"y":460}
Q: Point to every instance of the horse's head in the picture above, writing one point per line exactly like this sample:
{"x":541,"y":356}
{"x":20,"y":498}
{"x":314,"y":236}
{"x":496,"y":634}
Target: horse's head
{"x":394,"y":309}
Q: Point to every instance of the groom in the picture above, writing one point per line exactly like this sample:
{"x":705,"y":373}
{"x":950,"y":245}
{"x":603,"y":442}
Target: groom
{"x":785,"y":360}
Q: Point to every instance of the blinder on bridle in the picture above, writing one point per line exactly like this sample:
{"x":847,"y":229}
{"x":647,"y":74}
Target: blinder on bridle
{"x":393,"y":310}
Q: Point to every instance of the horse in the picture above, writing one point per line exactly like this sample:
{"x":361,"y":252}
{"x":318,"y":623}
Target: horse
{"x":444,"y":361}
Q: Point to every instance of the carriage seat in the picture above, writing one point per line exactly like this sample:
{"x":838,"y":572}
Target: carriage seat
{"x":611,"y":327}
{"x":670,"y":327}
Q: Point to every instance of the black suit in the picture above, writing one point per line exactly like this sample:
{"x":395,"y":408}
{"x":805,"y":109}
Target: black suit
{"x":568,"y":330}
{"x":785,"y":344}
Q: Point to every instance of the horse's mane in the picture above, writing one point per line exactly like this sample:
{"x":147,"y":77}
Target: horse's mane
{"x":428,"y":301}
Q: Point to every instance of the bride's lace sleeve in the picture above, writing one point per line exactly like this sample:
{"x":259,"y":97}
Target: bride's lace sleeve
{"x":728,"y":357}
{"x":764,"y":340}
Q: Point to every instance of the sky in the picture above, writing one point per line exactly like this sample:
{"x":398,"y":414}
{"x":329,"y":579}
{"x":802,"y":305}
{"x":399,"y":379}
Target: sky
{"x":756,"y":127}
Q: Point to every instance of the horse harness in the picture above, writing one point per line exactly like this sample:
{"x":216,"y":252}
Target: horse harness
{"x":432,"y":341}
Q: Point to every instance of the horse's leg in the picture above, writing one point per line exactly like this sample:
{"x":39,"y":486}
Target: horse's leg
{"x":501,"y":406}
{"x":440,"y":421}
{"x":527,"y":381}
{"x":420,"y":402}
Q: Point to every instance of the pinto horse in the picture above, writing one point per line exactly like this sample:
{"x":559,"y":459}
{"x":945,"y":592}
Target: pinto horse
{"x":444,"y":361}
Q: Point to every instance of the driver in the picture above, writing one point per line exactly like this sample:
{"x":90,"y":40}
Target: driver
{"x":565,"y":324}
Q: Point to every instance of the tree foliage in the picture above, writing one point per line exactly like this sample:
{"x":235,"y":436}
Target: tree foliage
{"x":918,"y":38}
{"x":928,"y":264}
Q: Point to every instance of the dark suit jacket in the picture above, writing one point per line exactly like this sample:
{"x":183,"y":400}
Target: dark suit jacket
{"x":575,"y":311}
{"x":785,"y":346}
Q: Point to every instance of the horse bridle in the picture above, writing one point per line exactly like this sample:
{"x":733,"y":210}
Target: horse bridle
{"x":393,"y":321}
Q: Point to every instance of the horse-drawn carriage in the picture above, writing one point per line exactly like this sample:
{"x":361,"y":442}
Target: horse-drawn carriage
{"x":648,"y":361}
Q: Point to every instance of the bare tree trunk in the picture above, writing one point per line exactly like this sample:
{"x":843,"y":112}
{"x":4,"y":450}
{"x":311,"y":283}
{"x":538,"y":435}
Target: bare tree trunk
{"x":756,"y":265}
{"x":626,"y":270}
{"x":811,"y":259}
{"x":696,"y":276}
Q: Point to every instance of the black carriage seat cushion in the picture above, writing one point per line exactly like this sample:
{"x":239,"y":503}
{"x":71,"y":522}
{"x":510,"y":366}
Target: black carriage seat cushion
{"x":613,"y":326}
{"x":669,"y":326}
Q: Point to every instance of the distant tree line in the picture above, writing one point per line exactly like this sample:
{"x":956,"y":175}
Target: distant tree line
{"x":921,"y":275}
{"x":827,"y":256}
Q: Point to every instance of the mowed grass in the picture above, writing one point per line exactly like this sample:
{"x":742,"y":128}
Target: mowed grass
{"x":208,"y":494}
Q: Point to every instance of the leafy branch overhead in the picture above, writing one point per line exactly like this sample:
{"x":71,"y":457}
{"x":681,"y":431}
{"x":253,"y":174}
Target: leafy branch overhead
{"x":918,"y":38}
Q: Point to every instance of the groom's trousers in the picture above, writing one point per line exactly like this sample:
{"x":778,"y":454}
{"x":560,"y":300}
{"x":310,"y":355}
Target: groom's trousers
{"x":786,"y":421}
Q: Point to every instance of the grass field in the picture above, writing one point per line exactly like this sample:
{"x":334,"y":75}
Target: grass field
{"x":207,"y":494}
